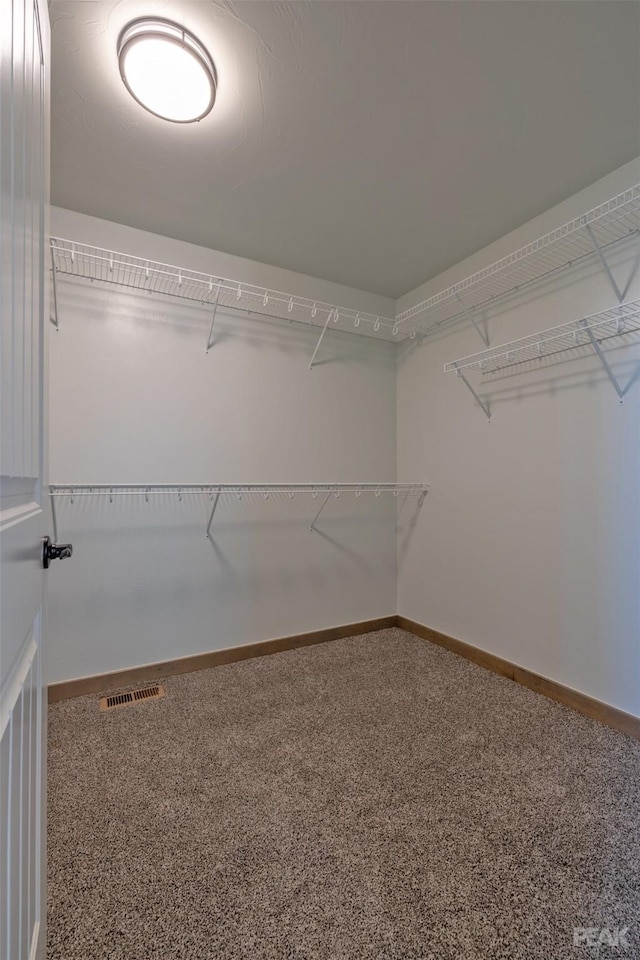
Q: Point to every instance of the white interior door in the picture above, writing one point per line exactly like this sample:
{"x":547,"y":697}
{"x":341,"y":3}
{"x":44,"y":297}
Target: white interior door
{"x":24,"y":160}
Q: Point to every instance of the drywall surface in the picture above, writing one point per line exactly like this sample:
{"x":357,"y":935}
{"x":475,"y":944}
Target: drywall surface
{"x":134,"y":398}
{"x":529,"y":542}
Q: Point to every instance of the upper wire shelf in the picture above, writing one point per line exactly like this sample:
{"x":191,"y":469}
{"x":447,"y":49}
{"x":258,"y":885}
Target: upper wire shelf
{"x":94,"y":263}
{"x":586,"y":235}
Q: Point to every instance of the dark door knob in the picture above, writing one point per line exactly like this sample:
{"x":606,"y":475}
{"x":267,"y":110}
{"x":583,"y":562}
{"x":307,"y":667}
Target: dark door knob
{"x":54,"y":551}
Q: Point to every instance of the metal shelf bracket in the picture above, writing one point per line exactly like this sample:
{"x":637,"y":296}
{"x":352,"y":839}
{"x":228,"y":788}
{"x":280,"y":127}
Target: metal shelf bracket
{"x":213,"y":319}
{"x":211,"y":515}
{"x":471,"y":316}
{"x":324,"y":503}
{"x":320,"y":339}
{"x":605,"y":266}
{"x":603,"y":360}
{"x":56,"y":322}
{"x":485,"y":406}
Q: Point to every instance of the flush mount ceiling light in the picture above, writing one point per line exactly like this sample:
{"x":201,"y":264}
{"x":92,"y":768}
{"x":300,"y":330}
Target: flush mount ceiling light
{"x":167,"y":70}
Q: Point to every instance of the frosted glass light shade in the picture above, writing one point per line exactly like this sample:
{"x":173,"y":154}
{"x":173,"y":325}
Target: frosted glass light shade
{"x":167,"y":70}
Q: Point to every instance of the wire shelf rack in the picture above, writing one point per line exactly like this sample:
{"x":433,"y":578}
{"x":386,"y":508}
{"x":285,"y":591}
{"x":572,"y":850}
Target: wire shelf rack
{"x":237,"y":489}
{"x":615,"y":322}
{"x":107,"y":266}
{"x":587,"y":332}
{"x":585,"y":236}
{"x":589,"y":235}
{"x":213,"y":491}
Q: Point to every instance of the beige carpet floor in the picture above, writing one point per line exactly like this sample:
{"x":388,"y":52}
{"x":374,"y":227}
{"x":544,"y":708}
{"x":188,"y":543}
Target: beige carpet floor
{"x":375,"y":797}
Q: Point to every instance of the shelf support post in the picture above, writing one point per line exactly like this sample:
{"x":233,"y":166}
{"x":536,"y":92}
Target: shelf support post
{"x":481,"y":403}
{"x":469,"y":313}
{"x":605,"y":266}
{"x":324,"y":330}
{"x":324,"y":503}
{"x":54,"y":518}
{"x":603,"y":360}
{"x":55,"y":291}
{"x":213,"y":510}
{"x":213,"y":319}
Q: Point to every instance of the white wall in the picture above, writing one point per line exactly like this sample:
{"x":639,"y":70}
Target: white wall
{"x":135,"y":398}
{"x":529,"y":546}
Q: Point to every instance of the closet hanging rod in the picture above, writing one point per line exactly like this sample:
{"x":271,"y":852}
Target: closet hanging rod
{"x":587,"y":235}
{"x":71,"y":258}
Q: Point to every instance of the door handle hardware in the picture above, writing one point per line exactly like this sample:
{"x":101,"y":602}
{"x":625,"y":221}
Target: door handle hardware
{"x":54,"y":551}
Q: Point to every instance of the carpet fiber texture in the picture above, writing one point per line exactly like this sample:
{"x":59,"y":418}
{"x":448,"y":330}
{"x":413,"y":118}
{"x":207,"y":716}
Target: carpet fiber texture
{"x":374,"y":797}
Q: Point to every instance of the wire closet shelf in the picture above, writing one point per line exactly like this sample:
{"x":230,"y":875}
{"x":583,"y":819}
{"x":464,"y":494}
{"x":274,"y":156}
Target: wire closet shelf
{"x":73,"y":259}
{"x":587,"y":332}
{"x":215,"y":490}
{"x":615,"y":322}
{"x":590,"y":234}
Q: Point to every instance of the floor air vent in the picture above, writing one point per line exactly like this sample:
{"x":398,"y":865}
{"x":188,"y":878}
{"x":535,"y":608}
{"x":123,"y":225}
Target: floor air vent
{"x":130,"y":698}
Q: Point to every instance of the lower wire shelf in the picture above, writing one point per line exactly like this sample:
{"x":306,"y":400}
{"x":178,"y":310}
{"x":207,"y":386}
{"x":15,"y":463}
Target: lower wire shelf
{"x":215,"y":490}
{"x":588,"y":332}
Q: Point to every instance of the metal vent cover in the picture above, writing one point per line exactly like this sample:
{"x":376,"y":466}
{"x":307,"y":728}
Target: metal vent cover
{"x":131,"y":697}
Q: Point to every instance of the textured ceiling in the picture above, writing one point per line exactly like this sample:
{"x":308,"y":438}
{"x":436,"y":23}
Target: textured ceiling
{"x":373,"y":144}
